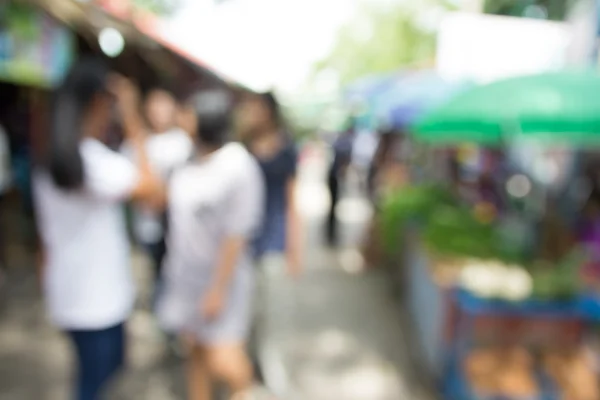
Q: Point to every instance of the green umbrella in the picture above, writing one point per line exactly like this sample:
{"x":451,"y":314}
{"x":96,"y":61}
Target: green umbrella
{"x":563,"y":107}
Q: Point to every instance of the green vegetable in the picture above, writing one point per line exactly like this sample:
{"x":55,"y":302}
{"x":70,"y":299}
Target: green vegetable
{"x":561,"y":281}
{"x":414,"y":203}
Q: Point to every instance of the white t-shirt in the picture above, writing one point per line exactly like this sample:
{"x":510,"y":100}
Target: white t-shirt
{"x":88,"y":280}
{"x":165,"y":151}
{"x":209,"y":199}
{"x":5,"y":167}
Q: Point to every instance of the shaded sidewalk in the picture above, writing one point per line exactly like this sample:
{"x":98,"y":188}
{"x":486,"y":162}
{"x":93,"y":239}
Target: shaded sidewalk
{"x":335,"y":335}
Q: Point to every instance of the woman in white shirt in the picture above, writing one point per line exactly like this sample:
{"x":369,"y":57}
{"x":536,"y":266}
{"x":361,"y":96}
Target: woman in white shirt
{"x":215,"y":208}
{"x":79,"y":191}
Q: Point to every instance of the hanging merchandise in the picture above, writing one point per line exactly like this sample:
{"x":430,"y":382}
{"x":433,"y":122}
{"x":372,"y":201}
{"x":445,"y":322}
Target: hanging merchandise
{"x":34,"y":49}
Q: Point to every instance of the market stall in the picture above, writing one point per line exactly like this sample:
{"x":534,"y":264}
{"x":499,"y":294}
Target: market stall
{"x":38,"y":41}
{"x":35,"y":53}
{"x":498,"y":261}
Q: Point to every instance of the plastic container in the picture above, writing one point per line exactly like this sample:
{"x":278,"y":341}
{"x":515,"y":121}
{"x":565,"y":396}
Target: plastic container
{"x":589,"y":306}
{"x":533,"y":324}
{"x":472,"y":304}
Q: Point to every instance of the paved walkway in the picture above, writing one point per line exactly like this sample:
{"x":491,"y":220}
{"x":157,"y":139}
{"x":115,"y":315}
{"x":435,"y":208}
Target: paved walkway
{"x":335,"y":335}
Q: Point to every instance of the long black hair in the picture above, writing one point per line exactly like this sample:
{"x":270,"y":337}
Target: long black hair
{"x":274,"y":108}
{"x":87,"y":79}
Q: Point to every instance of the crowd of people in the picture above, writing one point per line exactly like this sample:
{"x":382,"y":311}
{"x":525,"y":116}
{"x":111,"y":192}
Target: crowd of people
{"x":209,"y":186}
{"x":211,"y":192}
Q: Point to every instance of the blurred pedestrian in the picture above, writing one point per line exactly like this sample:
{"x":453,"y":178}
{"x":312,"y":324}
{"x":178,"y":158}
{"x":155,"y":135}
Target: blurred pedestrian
{"x":364,"y":147}
{"x":387,"y":174}
{"x":5,"y":185}
{"x":167,"y":147}
{"x":342,"y":158}
{"x":186,"y":119}
{"x":277,"y":248}
{"x":79,"y":192}
{"x":215,"y":208}
{"x":265,"y":135}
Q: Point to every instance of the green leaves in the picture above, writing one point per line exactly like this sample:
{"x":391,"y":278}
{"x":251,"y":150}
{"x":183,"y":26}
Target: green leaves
{"x":556,"y":9}
{"x":380,"y":40}
{"x":20,"y":20}
{"x":413,"y":203}
{"x":446,"y":226}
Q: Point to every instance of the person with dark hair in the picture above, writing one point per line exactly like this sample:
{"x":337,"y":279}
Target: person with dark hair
{"x":215,"y":208}
{"x":384,"y":148}
{"x":167,"y":147}
{"x":277,"y":248}
{"x":263,"y":130}
{"x":79,"y":191}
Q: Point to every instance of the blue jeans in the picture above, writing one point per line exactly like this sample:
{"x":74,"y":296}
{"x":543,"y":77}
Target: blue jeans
{"x":100,"y":354}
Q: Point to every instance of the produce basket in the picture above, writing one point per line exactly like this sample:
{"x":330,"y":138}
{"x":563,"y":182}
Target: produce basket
{"x":457,"y":386}
{"x":556,"y":374}
{"x":571,"y":376}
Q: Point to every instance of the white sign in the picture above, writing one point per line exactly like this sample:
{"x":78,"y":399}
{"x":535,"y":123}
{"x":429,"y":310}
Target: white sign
{"x":583,"y":21}
{"x":485,"y":48}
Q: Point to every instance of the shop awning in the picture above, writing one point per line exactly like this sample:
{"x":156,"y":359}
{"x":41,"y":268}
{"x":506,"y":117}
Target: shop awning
{"x":140,"y":30}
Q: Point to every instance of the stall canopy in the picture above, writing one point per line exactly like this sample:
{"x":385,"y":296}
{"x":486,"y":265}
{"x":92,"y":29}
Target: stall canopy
{"x":561,"y":107}
{"x":397,"y":100}
{"x":410,"y":96}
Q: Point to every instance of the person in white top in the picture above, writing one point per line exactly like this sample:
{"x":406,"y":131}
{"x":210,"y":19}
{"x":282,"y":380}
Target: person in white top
{"x":167,"y":147}
{"x":79,"y":192}
{"x":215,"y":210}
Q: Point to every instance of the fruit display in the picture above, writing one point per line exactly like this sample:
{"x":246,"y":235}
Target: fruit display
{"x":572,"y":373}
{"x":501,"y":373}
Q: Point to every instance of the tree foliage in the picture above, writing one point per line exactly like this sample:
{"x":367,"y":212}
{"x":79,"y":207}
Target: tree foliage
{"x":555,"y":9}
{"x":380,"y":39}
{"x":158,"y":7}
